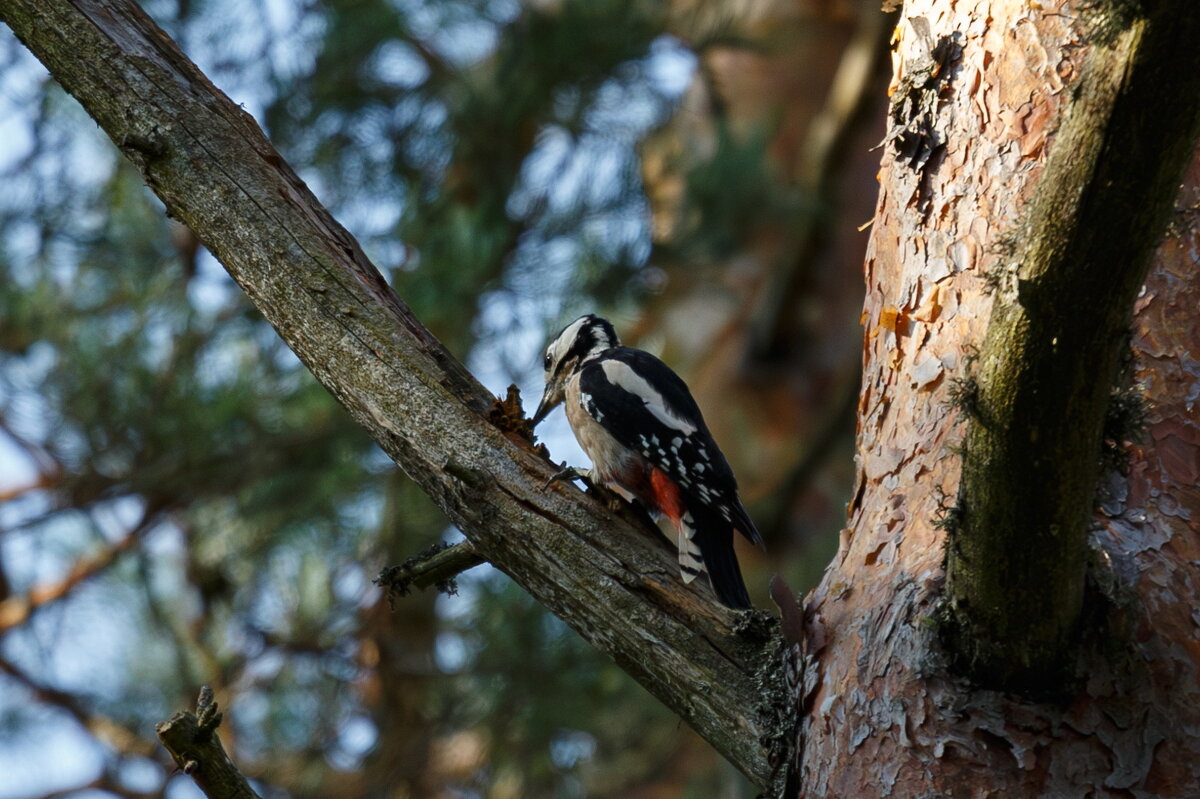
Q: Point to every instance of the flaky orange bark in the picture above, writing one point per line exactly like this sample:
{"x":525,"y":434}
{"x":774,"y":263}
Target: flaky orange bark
{"x":887,"y":716}
{"x":979,"y":89}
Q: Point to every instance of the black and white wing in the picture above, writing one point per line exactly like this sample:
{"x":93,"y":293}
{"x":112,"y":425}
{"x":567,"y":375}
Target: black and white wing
{"x":648,"y":408}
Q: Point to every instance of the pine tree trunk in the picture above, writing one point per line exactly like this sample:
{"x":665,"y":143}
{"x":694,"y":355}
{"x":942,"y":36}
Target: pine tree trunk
{"x":979,"y":100}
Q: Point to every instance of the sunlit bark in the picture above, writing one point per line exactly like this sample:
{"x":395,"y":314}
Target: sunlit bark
{"x":978,"y":97}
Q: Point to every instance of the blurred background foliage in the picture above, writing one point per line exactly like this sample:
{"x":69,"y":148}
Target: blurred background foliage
{"x":182,"y":504}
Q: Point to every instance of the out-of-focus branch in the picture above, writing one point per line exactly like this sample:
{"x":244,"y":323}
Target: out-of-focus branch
{"x":47,"y":464}
{"x":105,"y":784}
{"x":192,"y":740}
{"x":16,"y":610}
{"x":115,"y":734}
{"x":16,"y":492}
{"x":824,"y":150}
{"x":438,"y":565}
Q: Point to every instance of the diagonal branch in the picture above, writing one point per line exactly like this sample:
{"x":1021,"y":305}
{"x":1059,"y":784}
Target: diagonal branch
{"x":1060,"y":322}
{"x":215,"y":171}
{"x":16,"y":610}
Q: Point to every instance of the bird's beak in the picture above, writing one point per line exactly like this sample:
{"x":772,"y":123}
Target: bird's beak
{"x":550,"y":398}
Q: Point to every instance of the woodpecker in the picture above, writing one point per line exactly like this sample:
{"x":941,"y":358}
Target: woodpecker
{"x":637,"y":421}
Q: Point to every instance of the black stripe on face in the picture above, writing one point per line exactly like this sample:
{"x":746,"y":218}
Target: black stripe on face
{"x":582,"y":345}
{"x":595,"y":334}
{"x":590,"y":334}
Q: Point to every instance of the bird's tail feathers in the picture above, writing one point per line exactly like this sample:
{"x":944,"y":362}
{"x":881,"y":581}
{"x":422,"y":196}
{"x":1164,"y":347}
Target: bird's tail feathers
{"x":691,"y":559}
{"x":744,"y":525}
{"x":714,"y":536}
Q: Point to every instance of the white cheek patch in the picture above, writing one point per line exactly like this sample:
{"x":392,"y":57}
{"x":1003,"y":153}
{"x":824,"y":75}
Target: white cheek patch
{"x":558,"y":350}
{"x":622,"y":376}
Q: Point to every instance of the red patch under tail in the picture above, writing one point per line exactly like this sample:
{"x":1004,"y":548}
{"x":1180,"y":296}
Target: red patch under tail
{"x":666,"y":496}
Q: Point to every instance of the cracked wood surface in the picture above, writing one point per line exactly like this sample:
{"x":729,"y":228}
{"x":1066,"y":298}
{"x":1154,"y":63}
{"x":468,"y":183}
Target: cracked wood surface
{"x":212,"y":167}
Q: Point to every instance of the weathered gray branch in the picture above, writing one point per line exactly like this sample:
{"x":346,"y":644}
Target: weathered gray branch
{"x":1060,"y":322}
{"x":192,"y":740}
{"x":214,"y":170}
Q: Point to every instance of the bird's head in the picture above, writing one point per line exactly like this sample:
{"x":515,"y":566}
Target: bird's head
{"x":583,"y":339}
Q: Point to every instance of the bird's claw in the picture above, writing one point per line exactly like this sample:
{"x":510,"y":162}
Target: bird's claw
{"x":566,"y":473}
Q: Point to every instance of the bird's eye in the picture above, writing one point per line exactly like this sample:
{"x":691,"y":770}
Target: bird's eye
{"x":547,"y":362}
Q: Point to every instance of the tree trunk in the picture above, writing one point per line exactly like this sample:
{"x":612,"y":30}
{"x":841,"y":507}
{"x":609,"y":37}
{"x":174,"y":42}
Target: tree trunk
{"x":979,"y":105}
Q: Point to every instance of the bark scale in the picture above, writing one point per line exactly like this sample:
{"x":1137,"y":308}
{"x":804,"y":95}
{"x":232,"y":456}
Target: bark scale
{"x":886,"y":715}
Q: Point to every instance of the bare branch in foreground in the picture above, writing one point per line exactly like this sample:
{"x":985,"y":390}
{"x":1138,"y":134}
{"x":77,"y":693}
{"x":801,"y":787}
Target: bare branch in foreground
{"x":192,"y":740}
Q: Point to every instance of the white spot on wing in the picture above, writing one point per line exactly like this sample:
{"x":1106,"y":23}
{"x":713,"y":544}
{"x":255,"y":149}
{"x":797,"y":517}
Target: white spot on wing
{"x":620,"y":374}
{"x":589,"y":405}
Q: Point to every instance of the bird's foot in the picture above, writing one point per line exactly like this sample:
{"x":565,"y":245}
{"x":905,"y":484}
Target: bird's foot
{"x":569,"y":473}
{"x":612,"y":499}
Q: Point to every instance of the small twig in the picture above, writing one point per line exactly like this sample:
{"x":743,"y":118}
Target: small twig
{"x":438,"y":566}
{"x":192,"y":740}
